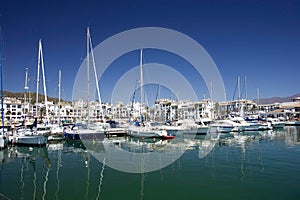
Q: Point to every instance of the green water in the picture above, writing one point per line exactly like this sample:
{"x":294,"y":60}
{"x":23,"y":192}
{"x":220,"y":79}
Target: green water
{"x":260,"y":165}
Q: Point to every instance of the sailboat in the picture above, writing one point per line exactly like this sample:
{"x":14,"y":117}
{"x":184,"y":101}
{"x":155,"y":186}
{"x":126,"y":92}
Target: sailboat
{"x":3,"y":138}
{"x":26,"y":136}
{"x":87,"y":131}
{"x":140,"y":129}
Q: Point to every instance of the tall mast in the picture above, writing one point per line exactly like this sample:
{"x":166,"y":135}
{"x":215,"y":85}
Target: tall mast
{"x":239,"y":88}
{"x":211,"y":100}
{"x":1,"y":76}
{"x":141,"y":83}
{"x":59,"y":83}
{"x":41,"y":65}
{"x":25,"y":90}
{"x":246,"y":92}
{"x":88,"y":73}
{"x":38,"y":79}
{"x":257,"y":96}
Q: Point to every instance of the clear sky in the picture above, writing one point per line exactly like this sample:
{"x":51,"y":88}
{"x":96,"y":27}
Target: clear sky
{"x":256,"y":39}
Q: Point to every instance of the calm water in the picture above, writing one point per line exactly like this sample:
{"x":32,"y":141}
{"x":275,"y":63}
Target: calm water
{"x":255,"y":165}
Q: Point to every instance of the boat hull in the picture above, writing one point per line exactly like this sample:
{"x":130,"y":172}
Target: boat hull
{"x":3,"y":141}
{"x":143,"y":134}
{"x":221,"y":129}
{"x":38,"y":140}
{"x":278,"y":125}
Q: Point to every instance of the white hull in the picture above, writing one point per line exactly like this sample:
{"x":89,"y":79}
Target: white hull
{"x":146,"y":132}
{"x":278,"y":124}
{"x":220,"y":129}
{"x":293,"y":123}
{"x":252,"y":127}
{"x":31,"y":140}
{"x":202,"y":130}
{"x":3,"y":141}
{"x":221,"y":126}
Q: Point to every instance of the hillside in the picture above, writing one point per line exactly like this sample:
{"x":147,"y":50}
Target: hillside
{"x":32,"y":95}
{"x":276,"y":99}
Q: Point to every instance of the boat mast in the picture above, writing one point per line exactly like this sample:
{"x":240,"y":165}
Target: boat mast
{"x":2,"y":99}
{"x":246,"y":92}
{"x":38,"y":80}
{"x":141,"y":84}
{"x":41,"y":64}
{"x":88,"y":73}
{"x":25,"y":90}
{"x":257,"y":96}
{"x":211,"y":100}
{"x":239,"y":93}
{"x":239,"y":88}
{"x":59,"y":82}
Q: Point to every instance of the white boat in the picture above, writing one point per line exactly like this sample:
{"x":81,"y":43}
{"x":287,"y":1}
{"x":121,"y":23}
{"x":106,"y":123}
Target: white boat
{"x":29,"y":137}
{"x":188,"y":126}
{"x":254,"y":126}
{"x":31,"y":140}
{"x":221,"y":126}
{"x":242,"y":125}
{"x":43,"y":130}
{"x":56,"y":129}
{"x":264,"y":125}
{"x":202,"y":128}
{"x":276,"y":123}
{"x":146,"y":132}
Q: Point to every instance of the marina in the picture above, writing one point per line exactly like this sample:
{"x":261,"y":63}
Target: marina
{"x":248,"y":165}
{"x":170,"y":100}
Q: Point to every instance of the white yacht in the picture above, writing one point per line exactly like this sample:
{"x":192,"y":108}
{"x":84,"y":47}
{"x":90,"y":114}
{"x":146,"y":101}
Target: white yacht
{"x":221,"y":126}
{"x":276,"y":123}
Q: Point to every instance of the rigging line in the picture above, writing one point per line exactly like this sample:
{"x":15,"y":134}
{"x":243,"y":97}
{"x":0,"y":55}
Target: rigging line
{"x":150,"y":92}
{"x":96,"y":77}
{"x":133,"y":99}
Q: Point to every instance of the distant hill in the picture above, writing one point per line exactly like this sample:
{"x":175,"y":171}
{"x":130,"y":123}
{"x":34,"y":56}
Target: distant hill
{"x":276,"y":99}
{"x":32,"y":95}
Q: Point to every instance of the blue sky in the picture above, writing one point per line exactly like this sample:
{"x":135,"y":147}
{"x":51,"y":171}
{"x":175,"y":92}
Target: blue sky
{"x":257,"y":39}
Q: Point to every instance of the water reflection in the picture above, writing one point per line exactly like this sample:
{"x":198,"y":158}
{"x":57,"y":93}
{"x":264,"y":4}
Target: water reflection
{"x":65,"y":170}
